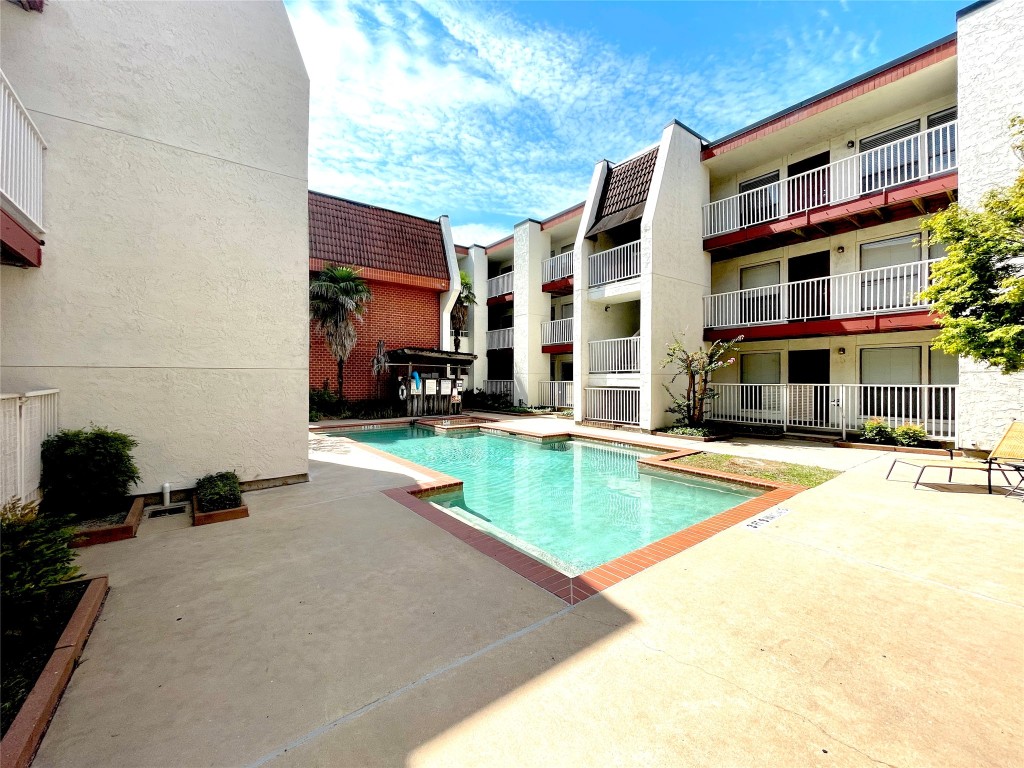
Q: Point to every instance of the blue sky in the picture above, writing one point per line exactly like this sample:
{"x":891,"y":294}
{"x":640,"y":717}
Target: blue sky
{"x":495,"y":112}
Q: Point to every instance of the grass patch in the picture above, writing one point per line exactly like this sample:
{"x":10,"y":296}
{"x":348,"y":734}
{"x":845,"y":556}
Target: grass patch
{"x":777,"y":471}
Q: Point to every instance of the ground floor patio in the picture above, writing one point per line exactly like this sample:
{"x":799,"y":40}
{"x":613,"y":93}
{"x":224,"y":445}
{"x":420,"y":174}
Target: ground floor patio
{"x":871,"y":624}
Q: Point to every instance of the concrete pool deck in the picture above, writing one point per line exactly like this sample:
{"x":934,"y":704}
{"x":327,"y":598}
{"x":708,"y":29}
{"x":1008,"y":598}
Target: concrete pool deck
{"x":871,"y":624}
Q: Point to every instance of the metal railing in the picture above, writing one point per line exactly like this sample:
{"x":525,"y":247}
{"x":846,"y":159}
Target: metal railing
{"x":500,"y":339}
{"x":928,"y":153}
{"x":499,"y":387}
{"x":616,"y":404}
{"x":556,"y":267}
{"x":615,"y":355}
{"x":500,"y":285}
{"x":619,"y":263}
{"x":838,"y":407}
{"x":25,"y":421}
{"x":22,"y":151}
{"x":556,"y":331}
{"x":555,"y":394}
{"x":866,"y":292}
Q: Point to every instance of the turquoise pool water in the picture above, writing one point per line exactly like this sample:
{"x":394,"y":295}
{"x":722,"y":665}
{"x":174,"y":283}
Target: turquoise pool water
{"x":572,"y":504}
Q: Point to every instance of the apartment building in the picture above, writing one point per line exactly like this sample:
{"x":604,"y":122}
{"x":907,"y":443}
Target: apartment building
{"x":801,"y":232}
{"x":155,"y":244}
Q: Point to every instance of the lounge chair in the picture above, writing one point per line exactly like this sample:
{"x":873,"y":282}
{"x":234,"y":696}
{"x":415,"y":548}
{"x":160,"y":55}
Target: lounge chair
{"x":1007,"y":456}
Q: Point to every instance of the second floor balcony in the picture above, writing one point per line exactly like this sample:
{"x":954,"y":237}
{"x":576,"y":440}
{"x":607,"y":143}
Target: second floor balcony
{"x":615,"y":264}
{"x":22,"y":151}
{"x":556,"y":274}
{"x":872,"y":175}
{"x":501,"y":338}
{"x":615,"y":355}
{"x":556,"y":332}
{"x":500,"y":288}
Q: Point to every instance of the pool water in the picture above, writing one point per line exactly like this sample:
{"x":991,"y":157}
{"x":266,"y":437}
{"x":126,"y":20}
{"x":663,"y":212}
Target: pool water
{"x":572,"y":504}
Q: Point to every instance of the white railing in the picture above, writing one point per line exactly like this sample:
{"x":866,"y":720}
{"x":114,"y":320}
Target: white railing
{"x":617,"y":404}
{"x":500,"y":285}
{"x":838,"y":407}
{"x":555,"y":394}
{"x":557,"y":267}
{"x":619,"y":263}
{"x":500,"y":339}
{"x":615,"y":355}
{"x":866,"y":292}
{"x":499,"y":387}
{"x":27,"y":420}
{"x":21,"y":160}
{"x":556,"y":331}
{"x":924,"y":154}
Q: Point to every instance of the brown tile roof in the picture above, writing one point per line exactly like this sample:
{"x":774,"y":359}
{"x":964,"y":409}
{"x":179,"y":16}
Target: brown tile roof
{"x":360,"y":235}
{"x":625,"y":191}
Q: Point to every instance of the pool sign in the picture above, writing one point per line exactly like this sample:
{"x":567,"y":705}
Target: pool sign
{"x":762,"y":520}
{"x":430,"y":386}
{"x":446,"y":386}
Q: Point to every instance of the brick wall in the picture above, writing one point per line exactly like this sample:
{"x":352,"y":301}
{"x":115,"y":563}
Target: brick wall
{"x":403,"y":316}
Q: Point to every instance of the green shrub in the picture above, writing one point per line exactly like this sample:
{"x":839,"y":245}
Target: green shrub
{"x":480,"y":400}
{"x":219,"y":491}
{"x":314,"y":416}
{"x":910,"y":435}
{"x":35,"y":554}
{"x":878,"y":432}
{"x":692,"y":431}
{"x":87,"y":472}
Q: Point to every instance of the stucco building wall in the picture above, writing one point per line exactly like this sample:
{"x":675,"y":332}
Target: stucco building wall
{"x":171,"y":303}
{"x":990,"y":46}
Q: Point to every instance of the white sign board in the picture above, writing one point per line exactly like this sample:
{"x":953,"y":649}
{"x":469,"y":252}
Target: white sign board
{"x":430,"y":386}
{"x":446,"y":386}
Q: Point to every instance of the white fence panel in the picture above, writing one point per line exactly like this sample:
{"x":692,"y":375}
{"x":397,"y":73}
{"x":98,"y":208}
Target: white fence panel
{"x":556,"y":331}
{"x":501,"y":338}
{"x":28,"y":419}
{"x":616,"y":404}
{"x":615,"y":355}
{"x":500,"y":285}
{"x":555,"y":394}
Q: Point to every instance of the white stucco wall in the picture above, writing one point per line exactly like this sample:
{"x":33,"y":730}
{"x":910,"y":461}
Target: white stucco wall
{"x":171,"y":303}
{"x":990,"y":47}
{"x":531,"y":306}
{"x":448,"y":298}
{"x":478,"y":326}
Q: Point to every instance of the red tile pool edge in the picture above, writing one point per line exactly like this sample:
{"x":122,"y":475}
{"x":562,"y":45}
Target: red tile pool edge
{"x":575,"y":589}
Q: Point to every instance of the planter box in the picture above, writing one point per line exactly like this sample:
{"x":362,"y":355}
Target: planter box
{"x":694,"y":438}
{"x":218,"y":516}
{"x":87,"y":537}
{"x":900,"y":449}
{"x":22,"y":739}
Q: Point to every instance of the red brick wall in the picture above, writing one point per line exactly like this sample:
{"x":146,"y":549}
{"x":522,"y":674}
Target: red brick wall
{"x":403,"y":316}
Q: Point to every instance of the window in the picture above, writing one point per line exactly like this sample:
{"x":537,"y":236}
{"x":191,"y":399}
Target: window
{"x":896,"y":275}
{"x":942,"y":141}
{"x":885,"y":369}
{"x":762,"y":204}
{"x":762,"y":304}
{"x":943,"y":368}
{"x":890,"y":157}
{"x":566,"y":248}
{"x":761,"y":368}
{"x":567,"y":310}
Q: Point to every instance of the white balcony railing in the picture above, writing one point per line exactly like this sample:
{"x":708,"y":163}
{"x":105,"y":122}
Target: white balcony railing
{"x":500,"y":339}
{"x":929,"y":153}
{"x":556,"y":331}
{"x":616,"y":404}
{"x":615,"y":355}
{"x":499,"y":387}
{"x":619,"y":263}
{"x":838,"y":407}
{"x":21,"y":161}
{"x":26,"y":420}
{"x":555,"y":394}
{"x":556,"y":267}
{"x":866,"y":292}
{"x":500,"y":285}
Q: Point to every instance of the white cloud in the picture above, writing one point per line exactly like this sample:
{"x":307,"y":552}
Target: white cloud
{"x":434,"y":108}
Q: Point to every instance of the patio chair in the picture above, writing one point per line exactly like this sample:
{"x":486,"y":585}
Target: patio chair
{"x":1007,"y":456}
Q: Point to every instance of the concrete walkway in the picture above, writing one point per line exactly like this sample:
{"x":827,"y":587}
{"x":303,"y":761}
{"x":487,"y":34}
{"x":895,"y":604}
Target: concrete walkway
{"x":872,"y":624}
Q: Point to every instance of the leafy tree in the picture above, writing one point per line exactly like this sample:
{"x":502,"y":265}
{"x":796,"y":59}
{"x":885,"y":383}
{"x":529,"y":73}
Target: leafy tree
{"x":460,"y":312}
{"x":697,"y":367}
{"x":337,"y":301}
{"x":977,"y":291}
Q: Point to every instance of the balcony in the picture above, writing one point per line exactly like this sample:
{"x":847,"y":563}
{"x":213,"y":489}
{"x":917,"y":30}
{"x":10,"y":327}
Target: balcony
{"x":556,"y":274}
{"x":615,"y":264}
{"x":890,"y":177}
{"x":838,"y":407}
{"x":500,"y":339}
{"x":556,"y":336}
{"x":22,"y":152}
{"x":555,"y":394}
{"x":866,"y":293}
{"x":499,"y":289}
{"x":615,"y":355}
{"x":619,"y":405}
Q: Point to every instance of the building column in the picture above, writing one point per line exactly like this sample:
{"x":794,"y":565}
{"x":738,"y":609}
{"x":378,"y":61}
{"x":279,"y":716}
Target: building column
{"x":531,"y":306}
{"x":478,"y":323}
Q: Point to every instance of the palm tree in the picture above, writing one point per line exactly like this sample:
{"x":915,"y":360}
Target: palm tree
{"x":337,"y":300}
{"x":460,"y":312}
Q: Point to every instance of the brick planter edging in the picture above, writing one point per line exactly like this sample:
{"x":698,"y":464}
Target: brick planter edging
{"x":88,"y":537}
{"x":900,"y":449}
{"x":22,"y":739}
{"x":218,"y":515}
{"x":694,"y":438}
{"x":575,"y":589}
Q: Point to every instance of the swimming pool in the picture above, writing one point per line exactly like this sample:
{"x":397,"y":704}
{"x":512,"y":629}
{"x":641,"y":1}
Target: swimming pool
{"x":571,"y":504}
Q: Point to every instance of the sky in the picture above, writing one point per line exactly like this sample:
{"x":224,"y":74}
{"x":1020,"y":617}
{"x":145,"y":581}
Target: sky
{"x":494,"y":112}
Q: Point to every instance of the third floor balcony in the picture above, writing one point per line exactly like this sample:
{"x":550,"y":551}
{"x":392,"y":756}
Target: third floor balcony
{"x":499,"y":288}
{"x":22,"y":151}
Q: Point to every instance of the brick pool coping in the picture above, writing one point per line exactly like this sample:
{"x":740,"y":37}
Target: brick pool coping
{"x":575,"y":589}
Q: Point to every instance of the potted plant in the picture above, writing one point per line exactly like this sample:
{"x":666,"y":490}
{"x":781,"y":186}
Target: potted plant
{"x":218,"y":497}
